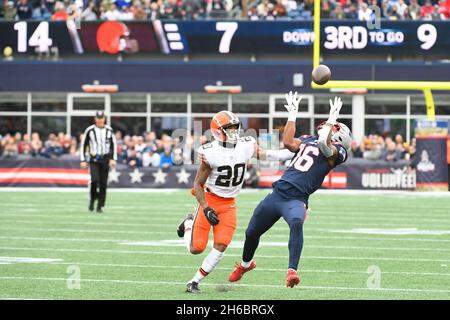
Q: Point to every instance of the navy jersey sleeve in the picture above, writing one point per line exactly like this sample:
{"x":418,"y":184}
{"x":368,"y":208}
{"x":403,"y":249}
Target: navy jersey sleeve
{"x":305,"y":138}
{"x":342,"y":154}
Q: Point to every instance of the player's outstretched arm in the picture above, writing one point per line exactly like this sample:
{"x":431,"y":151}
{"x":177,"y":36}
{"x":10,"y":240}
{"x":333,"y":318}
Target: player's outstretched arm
{"x":290,"y":142}
{"x":203,"y":173}
{"x":274,"y":155}
{"x":324,"y":141}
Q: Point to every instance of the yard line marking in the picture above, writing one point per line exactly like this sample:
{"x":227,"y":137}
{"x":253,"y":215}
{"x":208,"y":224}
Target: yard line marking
{"x":239,"y":244}
{"x":236,"y":239}
{"x":312,"y":219}
{"x":113,"y":265}
{"x":284,"y":236}
{"x":230,"y":255}
{"x":175,"y":283}
{"x":393,"y":231}
{"x":234,"y":244}
{"x":14,"y":298}
{"x":13,"y":260}
{"x":281,"y":227}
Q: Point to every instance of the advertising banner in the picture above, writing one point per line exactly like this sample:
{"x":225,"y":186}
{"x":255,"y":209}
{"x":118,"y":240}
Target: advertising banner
{"x":39,"y":172}
{"x":431,"y":155}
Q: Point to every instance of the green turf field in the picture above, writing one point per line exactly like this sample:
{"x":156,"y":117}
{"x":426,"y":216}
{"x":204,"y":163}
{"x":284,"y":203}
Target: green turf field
{"x":131,"y":251}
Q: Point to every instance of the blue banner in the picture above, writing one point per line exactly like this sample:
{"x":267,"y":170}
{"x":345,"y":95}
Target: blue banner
{"x":224,"y":37}
{"x":431,"y":155}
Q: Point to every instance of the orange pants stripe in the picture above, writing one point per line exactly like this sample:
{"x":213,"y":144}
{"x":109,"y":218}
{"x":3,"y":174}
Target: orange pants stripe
{"x":223,"y":231}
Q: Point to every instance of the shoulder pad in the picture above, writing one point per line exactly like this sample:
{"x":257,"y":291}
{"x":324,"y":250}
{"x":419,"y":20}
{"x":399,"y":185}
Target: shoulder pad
{"x":247,"y":139}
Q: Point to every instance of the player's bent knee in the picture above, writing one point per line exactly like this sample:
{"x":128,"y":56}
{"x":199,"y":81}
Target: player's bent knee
{"x":220,"y":246}
{"x":198,"y":248}
{"x":295,"y":223}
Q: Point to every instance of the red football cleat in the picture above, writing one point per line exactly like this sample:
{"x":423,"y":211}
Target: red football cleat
{"x":239,"y":271}
{"x":292,"y":278}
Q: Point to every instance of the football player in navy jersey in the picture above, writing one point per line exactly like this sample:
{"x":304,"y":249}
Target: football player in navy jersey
{"x":312,"y":158}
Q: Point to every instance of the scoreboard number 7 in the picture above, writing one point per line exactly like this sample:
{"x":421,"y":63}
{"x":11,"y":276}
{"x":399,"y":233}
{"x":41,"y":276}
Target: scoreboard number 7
{"x":230,"y":29}
{"x":40,"y":37}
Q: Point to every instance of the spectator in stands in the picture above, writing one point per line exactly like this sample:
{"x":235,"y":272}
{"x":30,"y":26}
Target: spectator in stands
{"x":60,"y":12}
{"x":10,"y":11}
{"x":326,"y":9}
{"x":24,"y":10}
{"x":373,"y":148}
{"x":391,"y":153}
{"x":10,"y":148}
{"x":172,"y":10}
{"x":133,"y":158}
{"x":126,"y":14}
{"x":444,"y":9}
{"x":364,"y":13}
{"x":36,"y":144}
{"x":90,"y":13}
{"x":190,"y":9}
{"x":24,"y":144}
{"x":73,"y":150}
{"x":355,"y":150}
{"x":412,"y":150}
{"x":262,"y":10}
{"x":414,"y":10}
{"x":151,"y":157}
{"x":279,"y":10}
{"x":141,"y":14}
{"x":52,"y":147}
{"x":112,"y":13}
{"x":166,"y":157}
{"x":393,"y":13}
{"x":426,"y":11}
{"x":338,"y":13}
{"x":351,"y":12}
{"x":402,"y":9}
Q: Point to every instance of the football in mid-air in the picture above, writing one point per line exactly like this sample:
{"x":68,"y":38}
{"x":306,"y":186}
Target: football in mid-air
{"x":321,"y":74}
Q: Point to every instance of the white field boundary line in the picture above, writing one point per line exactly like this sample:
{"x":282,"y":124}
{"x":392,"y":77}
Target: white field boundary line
{"x":149,"y":232}
{"x":358,"y":237}
{"x":309,"y":224}
{"x":16,"y":298}
{"x":160,"y":217}
{"x":315,"y":206}
{"x":236,"y":244}
{"x":237,"y":236}
{"x":262,"y":191}
{"x":113,"y":265}
{"x":148,"y":252}
{"x":175,"y":283}
{"x":150,"y":216}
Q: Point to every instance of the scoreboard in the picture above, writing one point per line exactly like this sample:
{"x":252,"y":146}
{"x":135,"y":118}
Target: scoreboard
{"x":225,"y":37}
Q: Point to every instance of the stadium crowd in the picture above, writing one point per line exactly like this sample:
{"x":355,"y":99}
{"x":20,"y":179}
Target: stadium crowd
{"x":148,"y":150}
{"x":89,"y":10}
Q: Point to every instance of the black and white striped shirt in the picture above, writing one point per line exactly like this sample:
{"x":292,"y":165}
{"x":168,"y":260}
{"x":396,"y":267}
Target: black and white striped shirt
{"x":100,"y":141}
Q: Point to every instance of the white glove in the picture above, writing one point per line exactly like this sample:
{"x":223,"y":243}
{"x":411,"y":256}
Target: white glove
{"x":292,"y":105}
{"x":335,"y":107}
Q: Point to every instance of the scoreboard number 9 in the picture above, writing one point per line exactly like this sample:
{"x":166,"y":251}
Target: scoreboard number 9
{"x":427,"y":34}
{"x":40,"y":37}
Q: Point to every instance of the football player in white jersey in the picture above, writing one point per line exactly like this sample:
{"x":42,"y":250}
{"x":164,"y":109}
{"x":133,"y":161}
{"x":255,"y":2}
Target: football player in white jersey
{"x":218,"y":181}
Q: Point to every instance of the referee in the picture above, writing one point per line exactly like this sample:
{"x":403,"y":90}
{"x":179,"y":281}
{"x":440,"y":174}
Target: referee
{"x":100,"y":144}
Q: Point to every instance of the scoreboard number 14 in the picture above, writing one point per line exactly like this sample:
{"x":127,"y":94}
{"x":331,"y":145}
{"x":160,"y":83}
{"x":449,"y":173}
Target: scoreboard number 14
{"x":40,"y":37}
